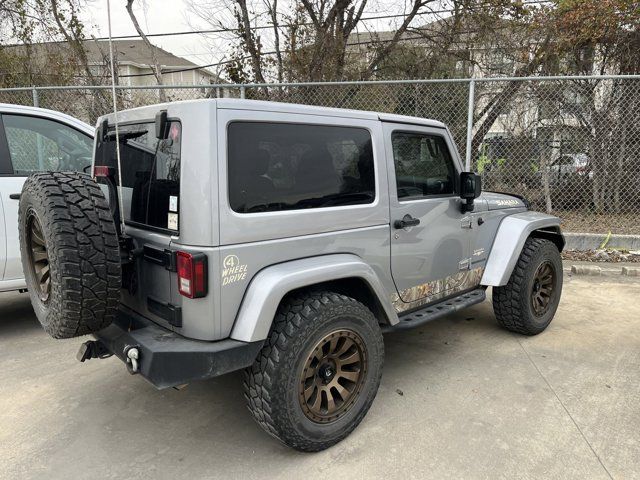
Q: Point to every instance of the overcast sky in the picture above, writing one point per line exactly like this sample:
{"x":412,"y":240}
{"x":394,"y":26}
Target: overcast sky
{"x":160,"y":16}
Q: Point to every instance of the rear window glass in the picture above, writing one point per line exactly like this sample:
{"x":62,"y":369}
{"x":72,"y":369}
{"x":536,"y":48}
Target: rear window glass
{"x":150,"y":173}
{"x":280,"y":166}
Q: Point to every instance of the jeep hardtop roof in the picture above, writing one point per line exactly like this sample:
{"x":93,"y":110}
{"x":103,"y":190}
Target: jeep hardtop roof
{"x":293,"y":108}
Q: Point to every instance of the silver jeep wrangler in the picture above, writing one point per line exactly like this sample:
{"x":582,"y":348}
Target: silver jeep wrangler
{"x":280,"y":239}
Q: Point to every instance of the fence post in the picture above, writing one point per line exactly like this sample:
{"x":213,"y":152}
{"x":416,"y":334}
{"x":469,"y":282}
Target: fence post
{"x":472,"y":93}
{"x":36,"y":99}
{"x":242,"y":92}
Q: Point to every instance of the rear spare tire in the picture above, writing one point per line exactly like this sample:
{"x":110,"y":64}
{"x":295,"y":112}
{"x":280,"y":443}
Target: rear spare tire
{"x":70,"y":253}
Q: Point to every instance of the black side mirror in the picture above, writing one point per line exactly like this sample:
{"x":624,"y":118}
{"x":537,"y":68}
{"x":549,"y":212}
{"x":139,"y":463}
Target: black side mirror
{"x":470,"y":189}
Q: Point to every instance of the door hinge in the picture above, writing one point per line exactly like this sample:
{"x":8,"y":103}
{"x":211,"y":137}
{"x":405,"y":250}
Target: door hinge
{"x":165,"y":257}
{"x":464,"y":264}
{"x":465,"y":222}
{"x":166,"y":311}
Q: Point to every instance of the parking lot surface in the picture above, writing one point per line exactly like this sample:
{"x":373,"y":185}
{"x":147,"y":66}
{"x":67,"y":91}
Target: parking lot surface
{"x":460,"y":398}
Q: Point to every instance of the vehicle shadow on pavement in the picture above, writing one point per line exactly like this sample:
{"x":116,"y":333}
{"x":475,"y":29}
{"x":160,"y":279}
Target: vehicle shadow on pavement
{"x":212,"y":415}
{"x":16,"y":313}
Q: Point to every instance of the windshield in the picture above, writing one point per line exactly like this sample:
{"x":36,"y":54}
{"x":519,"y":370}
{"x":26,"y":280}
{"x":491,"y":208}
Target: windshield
{"x":150,"y":173}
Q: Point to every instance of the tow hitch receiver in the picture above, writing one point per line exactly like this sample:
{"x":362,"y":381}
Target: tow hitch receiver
{"x":92,"y":349}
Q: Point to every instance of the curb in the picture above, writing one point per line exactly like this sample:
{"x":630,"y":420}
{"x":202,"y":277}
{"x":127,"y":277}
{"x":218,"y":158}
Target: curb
{"x":631,"y":271}
{"x":606,"y":270}
{"x":592,"y":241}
{"x":586,"y":270}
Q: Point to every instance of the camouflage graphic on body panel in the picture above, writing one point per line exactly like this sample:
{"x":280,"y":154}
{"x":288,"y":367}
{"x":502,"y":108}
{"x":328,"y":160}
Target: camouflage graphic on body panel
{"x":419,"y":295}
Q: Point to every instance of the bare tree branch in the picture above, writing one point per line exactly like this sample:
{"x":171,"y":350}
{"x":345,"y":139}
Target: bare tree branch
{"x":273,"y":13}
{"x":155,"y":67}
{"x":250,"y":41}
{"x":497,"y":105}
{"x":384,"y":51}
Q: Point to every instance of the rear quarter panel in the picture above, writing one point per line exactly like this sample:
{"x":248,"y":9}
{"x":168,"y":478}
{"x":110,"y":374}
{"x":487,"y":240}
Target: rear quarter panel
{"x":257,"y":240}
{"x":371,"y":244}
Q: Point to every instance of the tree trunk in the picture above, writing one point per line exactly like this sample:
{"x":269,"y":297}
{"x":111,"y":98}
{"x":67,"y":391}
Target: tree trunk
{"x":273,"y":12}
{"x":499,"y":102}
{"x":155,"y":68}
{"x":252,"y":47}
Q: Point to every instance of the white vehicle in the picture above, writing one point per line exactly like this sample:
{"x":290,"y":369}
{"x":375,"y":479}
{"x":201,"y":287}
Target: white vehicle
{"x":568,"y":166}
{"x":32,"y":140}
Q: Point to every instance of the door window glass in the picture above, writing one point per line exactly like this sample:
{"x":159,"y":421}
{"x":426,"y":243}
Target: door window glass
{"x":38,"y":144}
{"x":423,"y":164}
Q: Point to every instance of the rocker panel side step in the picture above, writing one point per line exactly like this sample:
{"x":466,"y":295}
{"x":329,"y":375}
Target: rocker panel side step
{"x":437,"y":310}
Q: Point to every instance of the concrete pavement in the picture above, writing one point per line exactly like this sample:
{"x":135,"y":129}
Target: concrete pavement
{"x":460,"y":398}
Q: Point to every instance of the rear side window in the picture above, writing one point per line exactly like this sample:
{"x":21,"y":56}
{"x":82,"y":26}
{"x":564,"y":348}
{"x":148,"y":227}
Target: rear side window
{"x":39,"y":144}
{"x":280,"y":166}
{"x":424,"y":166}
{"x":150,"y":173}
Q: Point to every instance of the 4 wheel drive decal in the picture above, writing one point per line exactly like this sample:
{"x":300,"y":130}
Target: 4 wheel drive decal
{"x":232,"y":270}
{"x":419,"y":295}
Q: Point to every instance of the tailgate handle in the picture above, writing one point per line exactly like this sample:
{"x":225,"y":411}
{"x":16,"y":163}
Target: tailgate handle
{"x":14,"y":196}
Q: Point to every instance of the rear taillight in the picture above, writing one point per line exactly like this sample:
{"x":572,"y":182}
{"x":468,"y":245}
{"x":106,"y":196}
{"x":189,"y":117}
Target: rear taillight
{"x":192,"y":274}
{"x":102,"y":171}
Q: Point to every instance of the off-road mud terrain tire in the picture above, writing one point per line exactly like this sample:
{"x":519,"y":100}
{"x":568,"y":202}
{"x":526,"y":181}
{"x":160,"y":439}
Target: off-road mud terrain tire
{"x":272,"y":383}
{"x":82,"y":248}
{"x":513,"y":304}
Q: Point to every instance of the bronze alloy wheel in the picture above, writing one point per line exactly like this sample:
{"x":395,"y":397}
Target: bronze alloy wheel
{"x":542,"y":291}
{"x":38,"y":257}
{"x":332,"y":376}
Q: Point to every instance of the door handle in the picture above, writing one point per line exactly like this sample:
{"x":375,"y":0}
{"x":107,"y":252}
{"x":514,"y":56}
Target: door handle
{"x":14,"y":196}
{"x":407,"y":221}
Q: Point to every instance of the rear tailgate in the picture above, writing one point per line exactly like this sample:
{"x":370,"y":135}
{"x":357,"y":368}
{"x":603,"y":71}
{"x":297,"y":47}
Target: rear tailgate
{"x":150,"y":196}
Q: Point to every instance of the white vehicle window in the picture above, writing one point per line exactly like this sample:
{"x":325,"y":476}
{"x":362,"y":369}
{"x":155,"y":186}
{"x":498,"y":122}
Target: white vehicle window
{"x":38,"y":144}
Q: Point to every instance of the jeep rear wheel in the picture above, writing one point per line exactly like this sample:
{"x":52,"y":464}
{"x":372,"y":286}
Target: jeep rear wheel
{"x":529,"y":300}
{"x":319,"y":371}
{"x":70,"y":253}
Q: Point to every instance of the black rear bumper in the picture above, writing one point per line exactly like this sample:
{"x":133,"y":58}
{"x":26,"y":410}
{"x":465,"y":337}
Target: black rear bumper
{"x":167,"y":359}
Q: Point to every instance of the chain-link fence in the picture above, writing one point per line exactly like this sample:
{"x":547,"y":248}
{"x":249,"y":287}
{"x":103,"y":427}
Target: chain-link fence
{"x":570,"y":145}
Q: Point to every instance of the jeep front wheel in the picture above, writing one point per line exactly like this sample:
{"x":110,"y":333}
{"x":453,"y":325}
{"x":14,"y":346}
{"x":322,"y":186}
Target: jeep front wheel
{"x":319,"y":371}
{"x":529,"y":300}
